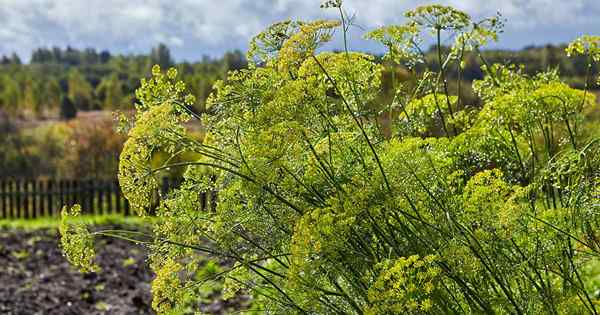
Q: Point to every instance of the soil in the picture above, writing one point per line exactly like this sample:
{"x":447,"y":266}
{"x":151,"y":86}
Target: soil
{"x":35,"y":278}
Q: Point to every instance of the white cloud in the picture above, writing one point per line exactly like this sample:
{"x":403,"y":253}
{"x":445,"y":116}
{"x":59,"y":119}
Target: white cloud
{"x":196,"y":27}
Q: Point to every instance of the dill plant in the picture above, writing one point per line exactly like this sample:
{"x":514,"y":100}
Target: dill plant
{"x":457,"y":208}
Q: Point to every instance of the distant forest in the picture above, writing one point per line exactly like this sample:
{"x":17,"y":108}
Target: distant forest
{"x":64,"y":81}
{"x":60,"y":82}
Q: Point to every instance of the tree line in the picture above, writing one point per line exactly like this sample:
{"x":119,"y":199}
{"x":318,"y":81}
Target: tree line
{"x":60,"y":81}
{"x":64,"y":81}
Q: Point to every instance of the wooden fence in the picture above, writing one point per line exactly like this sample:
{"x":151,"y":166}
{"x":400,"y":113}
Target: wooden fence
{"x":27,"y":199}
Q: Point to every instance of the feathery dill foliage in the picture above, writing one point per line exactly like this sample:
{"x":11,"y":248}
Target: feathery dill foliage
{"x":330,"y":202}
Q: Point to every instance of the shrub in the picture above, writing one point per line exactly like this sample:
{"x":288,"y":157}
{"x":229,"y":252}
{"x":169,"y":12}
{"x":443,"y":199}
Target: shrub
{"x":461,"y":209}
{"x":67,"y":109}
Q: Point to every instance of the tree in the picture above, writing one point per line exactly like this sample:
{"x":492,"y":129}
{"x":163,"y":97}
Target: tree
{"x":161,"y":55}
{"x":52,"y":93}
{"x":31,"y":96}
{"x":80,"y":91}
{"x":234,"y":60}
{"x":10,"y":94}
{"x":41,"y":55}
{"x":110,"y":92}
{"x":104,"y":56}
{"x":14,"y":59}
{"x":68,"y":110}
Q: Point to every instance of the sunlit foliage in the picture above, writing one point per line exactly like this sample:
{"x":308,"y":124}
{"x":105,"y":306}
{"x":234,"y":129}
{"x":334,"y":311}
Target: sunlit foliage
{"x":454,"y":208}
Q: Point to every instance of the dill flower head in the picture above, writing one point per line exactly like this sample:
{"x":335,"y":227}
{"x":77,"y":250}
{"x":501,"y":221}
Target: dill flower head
{"x":167,"y":291}
{"x":585,"y":45}
{"x":439,"y":17}
{"x":303,"y":44}
{"x":403,"y":285}
{"x":76,"y":241}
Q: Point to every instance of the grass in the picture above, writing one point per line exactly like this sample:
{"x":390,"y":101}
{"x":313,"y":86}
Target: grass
{"x":53,"y":222}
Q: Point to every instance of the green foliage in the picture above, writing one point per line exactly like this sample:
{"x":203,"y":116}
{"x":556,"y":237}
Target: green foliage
{"x":53,"y":223}
{"x":79,"y":148}
{"x":76,"y":242}
{"x":67,"y":109}
{"x":93,"y":80}
{"x":403,"y":286}
{"x":456,"y":208}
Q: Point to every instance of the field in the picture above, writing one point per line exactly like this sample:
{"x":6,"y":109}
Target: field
{"x":37,"y":279}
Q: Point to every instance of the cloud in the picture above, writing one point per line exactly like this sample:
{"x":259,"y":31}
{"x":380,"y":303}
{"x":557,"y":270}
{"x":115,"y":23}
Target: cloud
{"x":193,"y":28}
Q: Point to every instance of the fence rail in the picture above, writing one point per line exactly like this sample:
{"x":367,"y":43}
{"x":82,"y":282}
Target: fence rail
{"x":28,"y":199}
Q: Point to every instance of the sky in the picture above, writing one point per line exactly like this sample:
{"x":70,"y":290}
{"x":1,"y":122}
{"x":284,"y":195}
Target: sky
{"x":195,"y":28}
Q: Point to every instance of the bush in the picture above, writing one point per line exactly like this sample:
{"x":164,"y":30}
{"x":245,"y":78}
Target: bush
{"x":67,"y":109}
{"x":84,"y":148}
{"x":459,"y":209}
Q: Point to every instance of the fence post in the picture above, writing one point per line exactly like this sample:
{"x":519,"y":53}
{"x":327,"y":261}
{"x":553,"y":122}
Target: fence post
{"x":127,"y":207}
{"x":109,"y":196}
{"x":68,"y":193}
{"x":42,"y":202}
{"x":14,"y":209}
{"x":76,"y":192}
{"x":100,"y":197}
{"x":34,"y":198}
{"x":19,"y":197}
{"x":73,"y":192}
{"x":61,"y":192}
{"x":4,"y":197}
{"x":117,"y":192}
{"x":89,"y":196}
{"x":49,"y":194}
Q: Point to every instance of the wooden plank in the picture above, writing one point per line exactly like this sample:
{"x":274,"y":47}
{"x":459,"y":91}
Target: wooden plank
{"x":109,"y":196}
{"x":110,"y":208}
{"x":24,"y":200}
{"x":61,"y":192}
{"x":19,"y":197}
{"x":9,"y":201}
{"x":3,"y":203}
{"x":81,"y":195}
{"x":43,"y":197}
{"x":100,"y":194}
{"x":127,"y":206}
{"x":14,"y":208}
{"x":34,"y":198}
{"x":40,"y":198}
{"x":75,"y":191}
{"x":71,"y":192}
{"x":50,"y":193}
{"x":68,"y":200}
{"x":118,"y":199}
{"x":89,"y":196}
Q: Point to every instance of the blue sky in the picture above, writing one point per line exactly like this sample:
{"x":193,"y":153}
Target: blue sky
{"x":193,"y":28}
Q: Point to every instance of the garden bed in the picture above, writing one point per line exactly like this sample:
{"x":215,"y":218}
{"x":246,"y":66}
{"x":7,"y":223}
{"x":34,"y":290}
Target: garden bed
{"x":37,"y":279}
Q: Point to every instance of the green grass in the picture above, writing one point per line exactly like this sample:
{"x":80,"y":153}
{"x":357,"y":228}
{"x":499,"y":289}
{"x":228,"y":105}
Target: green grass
{"x":53,"y":222}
